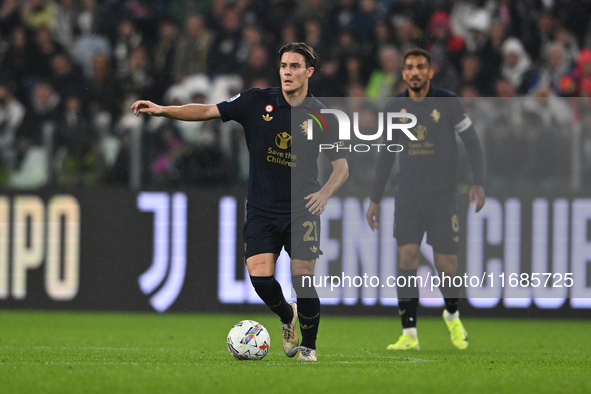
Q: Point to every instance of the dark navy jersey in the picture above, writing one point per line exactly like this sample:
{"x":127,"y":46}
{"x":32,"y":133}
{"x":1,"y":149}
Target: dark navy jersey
{"x":428,"y":166}
{"x":279,"y":156}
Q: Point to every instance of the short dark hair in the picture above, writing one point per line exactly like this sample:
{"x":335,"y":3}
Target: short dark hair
{"x":417,"y":52}
{"x":303,"y":49}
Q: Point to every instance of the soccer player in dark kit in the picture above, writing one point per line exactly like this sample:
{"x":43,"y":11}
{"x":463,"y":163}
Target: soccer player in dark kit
{"x":426,"y":196}
{"x":276,"y":216}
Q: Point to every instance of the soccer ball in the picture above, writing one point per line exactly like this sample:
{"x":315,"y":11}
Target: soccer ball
{"x":248,"y":340}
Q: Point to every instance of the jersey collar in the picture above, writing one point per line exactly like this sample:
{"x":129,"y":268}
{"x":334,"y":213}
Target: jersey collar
{"x":282,"y":102}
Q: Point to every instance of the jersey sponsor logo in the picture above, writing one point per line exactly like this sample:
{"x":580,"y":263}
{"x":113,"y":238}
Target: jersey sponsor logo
{"x":420,"y":131}
{"x":269,"y":108}
{"x":463,"y":125}
{"x":267,"y":118}
{"x":314,"y":249}
{"x":284,"y":158}
{"x":283,"y":140}
{"x":422,"y":147}
{"x":234,"y":98}
{"x":435,"y":115}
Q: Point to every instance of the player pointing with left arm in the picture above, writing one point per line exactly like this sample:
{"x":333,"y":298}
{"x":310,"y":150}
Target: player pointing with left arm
{"x":279,"y":215}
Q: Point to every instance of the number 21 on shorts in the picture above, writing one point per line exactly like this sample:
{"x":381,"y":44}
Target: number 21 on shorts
{"x":308,"y":236}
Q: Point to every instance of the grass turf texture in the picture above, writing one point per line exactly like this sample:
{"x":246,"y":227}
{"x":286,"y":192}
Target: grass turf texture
{"x":70,"y":352}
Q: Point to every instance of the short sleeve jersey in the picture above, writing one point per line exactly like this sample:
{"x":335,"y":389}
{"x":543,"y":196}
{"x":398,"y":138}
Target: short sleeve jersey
{"x":428,"y":166}
{"x":279,"y":155}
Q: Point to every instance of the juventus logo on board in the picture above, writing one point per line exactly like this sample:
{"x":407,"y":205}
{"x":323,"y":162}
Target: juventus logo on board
{"x":164,"y":279}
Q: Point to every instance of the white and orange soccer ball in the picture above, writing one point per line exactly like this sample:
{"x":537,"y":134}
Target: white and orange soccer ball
{"x":248,"y":340}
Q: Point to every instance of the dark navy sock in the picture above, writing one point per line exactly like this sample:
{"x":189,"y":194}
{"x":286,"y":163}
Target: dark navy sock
{"x":451,"y":305}
{"x":308,"y":309}
{"x":407,"y":309}
{"x":451,"y":293}
{"x":408,"y":299}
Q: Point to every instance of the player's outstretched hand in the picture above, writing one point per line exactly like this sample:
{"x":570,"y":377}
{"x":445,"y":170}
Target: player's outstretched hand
{"x":372,"y":215}
{"x":146,"y":107}
{"x":477,"y":193}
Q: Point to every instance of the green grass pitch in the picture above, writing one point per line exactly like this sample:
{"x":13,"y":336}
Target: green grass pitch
{"x":75,"y":352}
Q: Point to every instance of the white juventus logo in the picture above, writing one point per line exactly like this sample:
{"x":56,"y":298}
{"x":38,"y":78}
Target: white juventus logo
{"x":166,"y":276}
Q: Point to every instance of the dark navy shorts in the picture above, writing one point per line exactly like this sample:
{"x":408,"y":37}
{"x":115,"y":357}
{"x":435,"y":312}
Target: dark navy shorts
{"x":266,"y":233}
{"x":438,"y":219}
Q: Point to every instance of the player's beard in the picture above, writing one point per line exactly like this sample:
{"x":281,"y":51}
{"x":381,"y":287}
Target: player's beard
{"x":416,"y":88}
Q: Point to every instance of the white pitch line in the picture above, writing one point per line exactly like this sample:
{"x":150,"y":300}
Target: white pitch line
{"x":159,"y":364}
{"x":96,"y":363}
{"x":90,"y":348}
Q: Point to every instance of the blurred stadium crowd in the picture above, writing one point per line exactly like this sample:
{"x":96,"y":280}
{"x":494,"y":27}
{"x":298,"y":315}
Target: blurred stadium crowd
{"x":70,"y":69}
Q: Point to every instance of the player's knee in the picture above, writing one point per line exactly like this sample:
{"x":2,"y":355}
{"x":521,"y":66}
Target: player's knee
{"x":448,"y":270}
{"x":408,"y":257}
{"x":409,"y":264}
{"x":304,"y":286}
{"x":302,"y":267}
{"x":259,"y":268}
{"x":447,"y":264}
